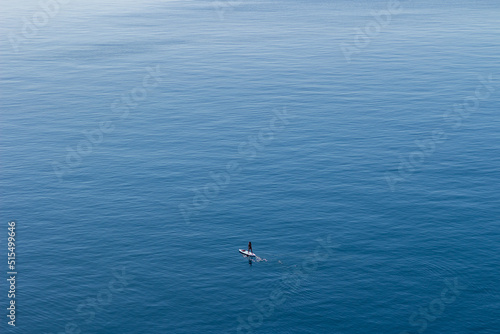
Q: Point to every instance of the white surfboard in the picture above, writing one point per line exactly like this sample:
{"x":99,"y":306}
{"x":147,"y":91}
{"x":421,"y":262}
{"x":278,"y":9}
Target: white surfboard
{"x":247,"y":253}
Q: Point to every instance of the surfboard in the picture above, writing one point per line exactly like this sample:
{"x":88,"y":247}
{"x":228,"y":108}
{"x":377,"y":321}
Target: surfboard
{"x":247,"y":253}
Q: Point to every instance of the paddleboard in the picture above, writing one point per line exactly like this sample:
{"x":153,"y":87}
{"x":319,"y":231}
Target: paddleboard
{"x":247,"y":253}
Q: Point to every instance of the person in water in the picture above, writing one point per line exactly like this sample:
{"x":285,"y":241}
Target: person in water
{"x":250,"y":247}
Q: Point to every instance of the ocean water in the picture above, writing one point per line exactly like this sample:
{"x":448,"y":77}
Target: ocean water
{"x":356,"y":144}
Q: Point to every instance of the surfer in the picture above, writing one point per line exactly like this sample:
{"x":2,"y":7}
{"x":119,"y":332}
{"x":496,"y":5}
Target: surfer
{"x":250,"y":247}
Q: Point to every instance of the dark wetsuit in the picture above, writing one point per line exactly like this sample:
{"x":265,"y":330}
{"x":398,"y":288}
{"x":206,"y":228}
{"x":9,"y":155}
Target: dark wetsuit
{"x":250,"y":247}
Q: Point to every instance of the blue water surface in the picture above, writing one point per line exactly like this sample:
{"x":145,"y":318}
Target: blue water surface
{"x":355,"y":143}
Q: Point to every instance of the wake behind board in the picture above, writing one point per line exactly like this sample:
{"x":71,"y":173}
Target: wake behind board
{"x":247,"y":253}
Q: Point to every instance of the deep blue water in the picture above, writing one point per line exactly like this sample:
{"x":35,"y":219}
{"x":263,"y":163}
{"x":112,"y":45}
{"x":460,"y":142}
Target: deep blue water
{"x":389,"y":157}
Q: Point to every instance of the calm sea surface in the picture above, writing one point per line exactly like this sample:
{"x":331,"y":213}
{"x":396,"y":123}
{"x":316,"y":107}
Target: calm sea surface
{"x":144,"y":142}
